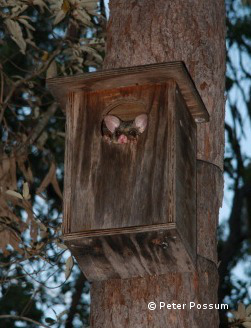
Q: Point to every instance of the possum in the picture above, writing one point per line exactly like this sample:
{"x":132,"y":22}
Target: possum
{"x":117,"y":131}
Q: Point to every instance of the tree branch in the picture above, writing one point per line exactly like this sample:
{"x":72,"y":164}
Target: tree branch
{"x":25,"y":80}
{"x":80,"y":284}
{"x":17,"y":317}
{"x":42,"y":123}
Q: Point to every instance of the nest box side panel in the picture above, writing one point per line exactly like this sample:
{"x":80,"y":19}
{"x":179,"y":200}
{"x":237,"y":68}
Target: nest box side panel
{"x":117,"y":185}
{"x":185,"y":174}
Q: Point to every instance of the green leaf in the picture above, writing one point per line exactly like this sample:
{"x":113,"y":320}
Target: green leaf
{"x":59,"y":17}
{"x":52,"y":70}
{"x":14,"y":194}
{"x":241,"y":311}
{"x":16,"y":33}
{"x":42,"y":226}
{"x":26,"y":192}
{"x":69,"y":265}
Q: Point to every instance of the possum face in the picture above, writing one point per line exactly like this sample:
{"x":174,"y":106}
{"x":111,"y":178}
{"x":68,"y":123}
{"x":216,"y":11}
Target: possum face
{"x":122,"y":132}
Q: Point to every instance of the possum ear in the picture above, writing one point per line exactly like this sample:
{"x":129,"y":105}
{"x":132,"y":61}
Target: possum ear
{"x":111,"y":122}
{"x":141,"y":122}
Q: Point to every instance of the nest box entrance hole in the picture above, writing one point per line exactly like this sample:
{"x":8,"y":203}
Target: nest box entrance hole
{"x":124,"y":121}
{"x":126,"y":110}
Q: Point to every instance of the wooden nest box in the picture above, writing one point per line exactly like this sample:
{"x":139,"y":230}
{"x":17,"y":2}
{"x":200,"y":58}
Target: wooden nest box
{"x":130,"y":169}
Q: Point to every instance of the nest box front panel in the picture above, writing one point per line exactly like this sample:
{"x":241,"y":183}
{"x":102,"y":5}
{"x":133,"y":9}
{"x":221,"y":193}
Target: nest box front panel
{"x":117,"y":184}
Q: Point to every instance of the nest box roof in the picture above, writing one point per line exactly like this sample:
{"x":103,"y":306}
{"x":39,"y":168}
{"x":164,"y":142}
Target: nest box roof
{"x":129,"y":76}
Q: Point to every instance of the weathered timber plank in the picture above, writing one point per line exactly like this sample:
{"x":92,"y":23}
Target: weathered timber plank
{"x":185,"y":173}
{"x":116,"y":231}
{"x":129,"y":76}
{"x":130,"y":255}
{"x":116,"y":186}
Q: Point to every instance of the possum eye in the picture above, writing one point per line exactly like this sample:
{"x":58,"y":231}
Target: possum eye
{"x":133,"y":133}
{"x":117,"y":133}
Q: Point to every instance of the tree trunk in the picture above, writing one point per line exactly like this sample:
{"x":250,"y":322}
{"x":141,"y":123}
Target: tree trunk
{"x":145,"y":32}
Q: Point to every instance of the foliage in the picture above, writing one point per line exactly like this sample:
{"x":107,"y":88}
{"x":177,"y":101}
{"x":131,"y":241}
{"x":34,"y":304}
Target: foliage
{"x":235,"y":232}
{"x":39,"y":39}
{"x":241,"y":317}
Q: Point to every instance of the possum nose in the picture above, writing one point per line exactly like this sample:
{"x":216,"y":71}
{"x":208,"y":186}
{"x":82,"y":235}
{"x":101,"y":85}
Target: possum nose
{"x":122,"y":139}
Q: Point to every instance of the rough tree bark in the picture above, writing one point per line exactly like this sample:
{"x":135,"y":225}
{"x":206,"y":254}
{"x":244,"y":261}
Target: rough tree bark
{"x":142,"y":32}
